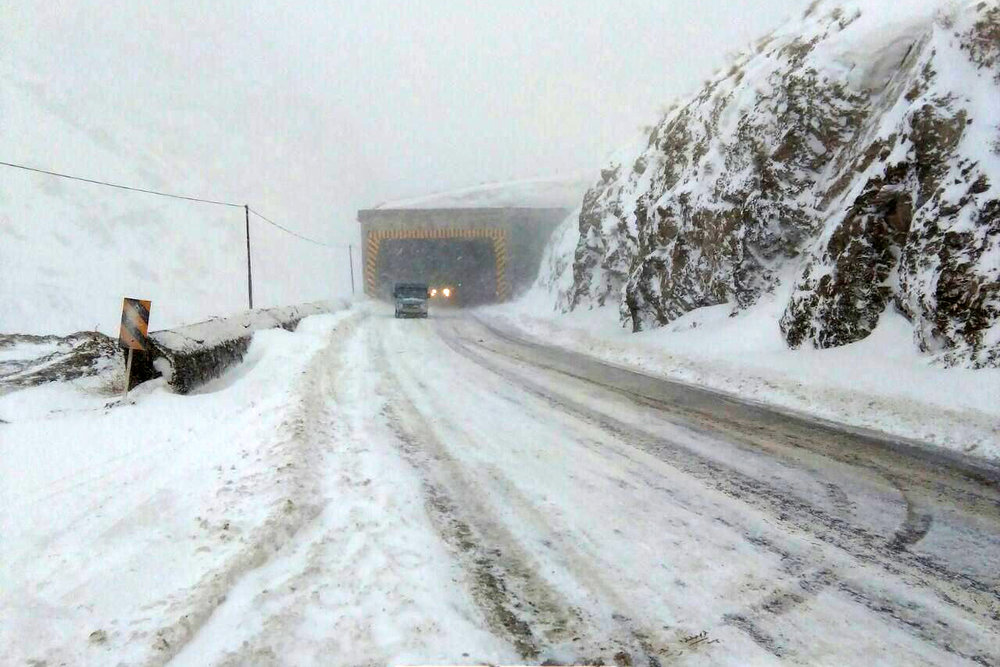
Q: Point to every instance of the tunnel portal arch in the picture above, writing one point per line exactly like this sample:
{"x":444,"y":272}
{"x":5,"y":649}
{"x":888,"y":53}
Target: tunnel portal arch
{"x":516,"y":239}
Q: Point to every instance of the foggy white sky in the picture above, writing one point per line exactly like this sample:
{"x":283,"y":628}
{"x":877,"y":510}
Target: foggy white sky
{"x":315,"y":109}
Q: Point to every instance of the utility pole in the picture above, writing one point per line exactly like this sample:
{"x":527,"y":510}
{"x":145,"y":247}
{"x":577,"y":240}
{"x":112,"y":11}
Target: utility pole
{"x":350,"y":260}
{"x":246,"y":209}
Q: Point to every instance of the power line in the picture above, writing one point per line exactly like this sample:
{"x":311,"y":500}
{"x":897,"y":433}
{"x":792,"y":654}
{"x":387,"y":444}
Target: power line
{"x":121,"y":187}
{"x":293,"y":233}
{"x":171,"y":195}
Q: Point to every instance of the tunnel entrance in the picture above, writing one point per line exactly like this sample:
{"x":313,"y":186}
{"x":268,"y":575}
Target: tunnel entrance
{"x":472,"y":262}
{"x":517,"y":235}
{"x":466,"y":266}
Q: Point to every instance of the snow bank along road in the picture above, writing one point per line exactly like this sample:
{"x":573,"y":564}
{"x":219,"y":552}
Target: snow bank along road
{"x":440,"y":491}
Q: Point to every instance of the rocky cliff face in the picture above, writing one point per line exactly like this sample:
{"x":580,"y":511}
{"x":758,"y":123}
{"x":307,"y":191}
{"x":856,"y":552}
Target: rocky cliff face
{"x":852,"y":159}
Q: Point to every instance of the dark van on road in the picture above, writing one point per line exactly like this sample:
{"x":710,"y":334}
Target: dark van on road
{"x":411,"y":299}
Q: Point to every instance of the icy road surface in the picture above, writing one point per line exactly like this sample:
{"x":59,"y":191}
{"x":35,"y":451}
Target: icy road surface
{"x":438,"y":491}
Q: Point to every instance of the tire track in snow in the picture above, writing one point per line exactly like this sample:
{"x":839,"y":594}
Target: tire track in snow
{"x":517,"y":603}
{"x":753,"y":439}
{"x":692,"y":460}
{"x":749,"y":421}
{"x":190,"y":610}
{"x":954,"y":589}
{"x":916,"y":525}
{"x":652,"y":642}
{"x":369,"y":582}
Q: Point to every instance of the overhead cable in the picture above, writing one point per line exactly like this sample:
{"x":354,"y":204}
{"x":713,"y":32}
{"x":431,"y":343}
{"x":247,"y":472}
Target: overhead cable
{"x":171,"y":195}
{"x":121,"y":187}
{"x":289,"y":231}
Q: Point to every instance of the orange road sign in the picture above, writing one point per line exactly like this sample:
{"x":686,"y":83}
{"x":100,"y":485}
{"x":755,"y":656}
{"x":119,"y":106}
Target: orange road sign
{"x":135,"y":324}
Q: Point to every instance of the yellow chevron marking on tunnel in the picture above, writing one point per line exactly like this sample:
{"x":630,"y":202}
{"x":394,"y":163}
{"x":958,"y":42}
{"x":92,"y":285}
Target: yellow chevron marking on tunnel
{"x":497,"y":236}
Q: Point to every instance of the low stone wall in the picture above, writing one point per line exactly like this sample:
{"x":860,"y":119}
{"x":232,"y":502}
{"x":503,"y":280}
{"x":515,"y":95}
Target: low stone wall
{"x":191,"y":355}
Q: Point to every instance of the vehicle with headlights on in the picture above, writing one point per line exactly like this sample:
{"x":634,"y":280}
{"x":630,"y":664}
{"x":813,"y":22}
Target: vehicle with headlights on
{"x":443,"y":295}
{"x":411,"y":299}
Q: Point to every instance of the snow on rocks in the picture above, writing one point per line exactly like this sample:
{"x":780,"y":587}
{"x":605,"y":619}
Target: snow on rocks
{"x":854,"y":152}
{"x":27,"y":360}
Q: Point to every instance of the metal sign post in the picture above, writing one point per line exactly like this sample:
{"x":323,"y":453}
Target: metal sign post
{"x":134,"y":332}
{"x":128,"y":373}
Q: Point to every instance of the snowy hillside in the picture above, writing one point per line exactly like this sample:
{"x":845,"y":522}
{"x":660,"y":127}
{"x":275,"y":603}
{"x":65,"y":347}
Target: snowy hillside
{"x":564,"y":192}
{"x":848,"y":165}
{"x":70,"y":251}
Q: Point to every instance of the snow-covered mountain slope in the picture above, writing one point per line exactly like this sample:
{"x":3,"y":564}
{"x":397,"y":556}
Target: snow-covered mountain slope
{"x":853,"y":157}
{"x":70,"y":251}
{"x":559,"y":192}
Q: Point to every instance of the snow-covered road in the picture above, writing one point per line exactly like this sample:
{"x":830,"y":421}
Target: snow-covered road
{"x":462,"y":496}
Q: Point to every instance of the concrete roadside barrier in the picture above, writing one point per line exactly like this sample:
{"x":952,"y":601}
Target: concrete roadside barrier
{"x":188,"y":356}
{"x":191,"y":355}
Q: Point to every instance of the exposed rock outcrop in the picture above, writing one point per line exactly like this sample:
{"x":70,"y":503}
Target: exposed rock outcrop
{"x":28,"y":361}
{"x":852,"y":159}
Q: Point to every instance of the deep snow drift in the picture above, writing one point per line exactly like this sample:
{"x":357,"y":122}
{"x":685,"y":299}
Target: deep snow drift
{"x":854,"y":154}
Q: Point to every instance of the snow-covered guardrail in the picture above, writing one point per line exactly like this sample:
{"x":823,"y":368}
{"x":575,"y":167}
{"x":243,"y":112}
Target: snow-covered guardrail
{"x":191,"y":355}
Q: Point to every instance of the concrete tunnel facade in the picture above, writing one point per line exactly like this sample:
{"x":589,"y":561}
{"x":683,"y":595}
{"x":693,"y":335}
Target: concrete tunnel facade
{"x":491,"y":254}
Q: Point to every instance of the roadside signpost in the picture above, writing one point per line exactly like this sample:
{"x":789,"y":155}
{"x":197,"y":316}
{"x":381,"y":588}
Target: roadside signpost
{"x":134,"y":331}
